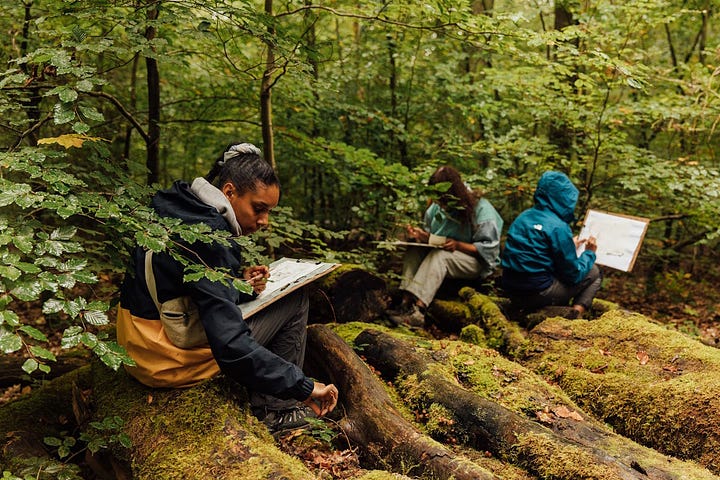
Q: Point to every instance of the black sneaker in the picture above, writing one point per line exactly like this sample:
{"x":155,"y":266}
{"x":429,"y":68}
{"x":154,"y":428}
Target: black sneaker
{"x":288,"y":419}
{"x":413,"y":317}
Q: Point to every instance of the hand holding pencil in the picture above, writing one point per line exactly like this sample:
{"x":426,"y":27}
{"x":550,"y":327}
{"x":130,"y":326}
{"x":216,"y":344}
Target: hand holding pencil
{"x":257,"y":276}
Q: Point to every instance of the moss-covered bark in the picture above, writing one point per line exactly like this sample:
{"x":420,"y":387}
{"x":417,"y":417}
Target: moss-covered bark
{"x":205,"y":431}
{"x":652,"y":384}
{"x":568,"y":445}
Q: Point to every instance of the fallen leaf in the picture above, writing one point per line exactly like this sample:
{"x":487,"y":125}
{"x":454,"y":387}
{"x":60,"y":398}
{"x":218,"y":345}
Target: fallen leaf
{"x":605,"y":353}
{"x":642,"y":357}
{"x":544,"y":417}
{"x":564,"y":412}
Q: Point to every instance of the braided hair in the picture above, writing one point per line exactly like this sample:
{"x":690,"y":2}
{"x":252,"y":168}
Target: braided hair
{"x":242,"y":165}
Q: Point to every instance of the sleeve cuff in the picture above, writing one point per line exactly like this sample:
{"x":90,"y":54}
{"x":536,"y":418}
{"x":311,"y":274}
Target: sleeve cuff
{"x":306,"y":389}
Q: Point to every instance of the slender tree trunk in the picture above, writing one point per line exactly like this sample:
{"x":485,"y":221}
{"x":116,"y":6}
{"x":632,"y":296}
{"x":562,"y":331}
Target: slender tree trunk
{"x":34,"y":98}
{"x":153,"y":86}
{"x":266,"y":93}
{"x":133,"y":104}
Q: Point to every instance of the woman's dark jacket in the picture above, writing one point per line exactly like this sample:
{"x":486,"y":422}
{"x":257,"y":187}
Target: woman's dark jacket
{"x":238,"y":355}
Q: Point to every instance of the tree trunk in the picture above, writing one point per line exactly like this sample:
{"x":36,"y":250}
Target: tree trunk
{"x":153,"y":85}
{"x":348,"y":294}
{"x":371,"y":419}
{"x":266,"y":93}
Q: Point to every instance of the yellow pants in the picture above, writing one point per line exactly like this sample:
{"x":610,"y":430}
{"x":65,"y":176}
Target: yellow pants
{"x":159,"y":362}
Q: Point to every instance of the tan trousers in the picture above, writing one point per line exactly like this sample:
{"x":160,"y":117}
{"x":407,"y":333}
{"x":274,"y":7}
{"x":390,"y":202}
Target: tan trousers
{"x":424,"y":270}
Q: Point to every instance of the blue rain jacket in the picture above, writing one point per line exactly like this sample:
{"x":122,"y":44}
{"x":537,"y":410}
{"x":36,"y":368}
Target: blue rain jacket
{"x":539,"y":246}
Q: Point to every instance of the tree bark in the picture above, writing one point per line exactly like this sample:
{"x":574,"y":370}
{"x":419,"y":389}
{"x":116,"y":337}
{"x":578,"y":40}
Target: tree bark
{"x":266,"y":94}
{"x":153,"y":85}
{"x":348,"y":294}
{"x":371,"y":418}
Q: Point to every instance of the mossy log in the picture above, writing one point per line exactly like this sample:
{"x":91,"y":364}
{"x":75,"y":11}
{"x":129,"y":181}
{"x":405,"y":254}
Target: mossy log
{"x":11,"y":372}
{"x":206,"y":431}
{"x":49,"y":411}
{"x":573,"y":450}
{"x":502,"y":334}
{"x":348,"y":294}
{"x":372,"y":420}
{"x":651,"y":383}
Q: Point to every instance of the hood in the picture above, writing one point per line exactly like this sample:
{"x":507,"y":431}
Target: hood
{"x":179,"y":201}
{"x":555,"y":192}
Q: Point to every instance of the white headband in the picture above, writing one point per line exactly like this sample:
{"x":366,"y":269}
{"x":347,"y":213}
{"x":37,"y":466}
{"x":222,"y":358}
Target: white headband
{"x":240,"y":149}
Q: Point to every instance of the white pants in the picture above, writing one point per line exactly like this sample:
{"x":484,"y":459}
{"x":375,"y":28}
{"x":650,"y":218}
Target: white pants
{"x":424,"y":270}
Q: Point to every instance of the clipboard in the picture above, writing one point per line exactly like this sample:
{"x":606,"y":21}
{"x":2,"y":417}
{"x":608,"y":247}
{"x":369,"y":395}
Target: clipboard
{"x":619,"y":238}
{"x":286,"y":276}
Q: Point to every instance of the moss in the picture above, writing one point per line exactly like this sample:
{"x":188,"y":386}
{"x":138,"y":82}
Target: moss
{"x":652,"y":384}
{"x":501,"y":333}
{"x":46,"y":410}
{"x":474,"y":335}
{"x":552,"y":461}
{"x":205,"y":431}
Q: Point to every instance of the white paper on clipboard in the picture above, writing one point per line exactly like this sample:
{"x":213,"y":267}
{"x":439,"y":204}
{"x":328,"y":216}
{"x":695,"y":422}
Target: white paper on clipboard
{"x":619,"y":238}
{"x":286,"y":276}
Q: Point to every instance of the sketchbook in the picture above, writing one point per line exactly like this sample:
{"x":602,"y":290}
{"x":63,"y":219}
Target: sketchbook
{"x":400,"y":243}
{"x":619,"y":238}
{"x":286,"y":276}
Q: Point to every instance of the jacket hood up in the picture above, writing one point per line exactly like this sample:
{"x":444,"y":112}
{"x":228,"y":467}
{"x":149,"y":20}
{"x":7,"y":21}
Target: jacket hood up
{"x":555,"y":192}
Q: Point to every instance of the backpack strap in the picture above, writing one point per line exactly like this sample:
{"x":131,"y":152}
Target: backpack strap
{"x":150,"y":278}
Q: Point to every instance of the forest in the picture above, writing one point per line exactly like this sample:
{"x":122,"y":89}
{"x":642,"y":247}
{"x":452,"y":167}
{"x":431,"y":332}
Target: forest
{"x":355,"y":104}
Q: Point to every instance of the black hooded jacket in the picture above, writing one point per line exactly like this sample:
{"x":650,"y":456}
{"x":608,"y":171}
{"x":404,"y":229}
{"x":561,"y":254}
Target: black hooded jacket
{"x":236,"y":352}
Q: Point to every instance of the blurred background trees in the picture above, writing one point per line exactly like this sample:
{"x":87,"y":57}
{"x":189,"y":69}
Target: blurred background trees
{"x":355,"y":104}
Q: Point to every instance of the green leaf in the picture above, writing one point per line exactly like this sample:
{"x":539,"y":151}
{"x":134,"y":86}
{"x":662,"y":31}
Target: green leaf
{"x":42,"y":353}
{"x":10,"y":272}
{"x":28,"y":291}
{"x":52,"y":441}
{"x":63,"y":113}
{"x":33,"y":333}
{"x":90,"y":113}
{"x":95,"y":317}
{"x":10,"y":342}
{"x":52,"y":305}
{"x":30,"y":365}
{"x":71,"y":337}
{"x":125,"y":440}
{"x":63,"y":233}
{"x":67,"y":94}
{"x":9,"y":317}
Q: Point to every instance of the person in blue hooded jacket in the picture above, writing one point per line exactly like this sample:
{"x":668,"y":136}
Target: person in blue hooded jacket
{"x":540,"y":264}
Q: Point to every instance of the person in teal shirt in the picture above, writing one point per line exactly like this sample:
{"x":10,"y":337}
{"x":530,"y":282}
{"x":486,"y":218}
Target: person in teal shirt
{"x":471,"y":248}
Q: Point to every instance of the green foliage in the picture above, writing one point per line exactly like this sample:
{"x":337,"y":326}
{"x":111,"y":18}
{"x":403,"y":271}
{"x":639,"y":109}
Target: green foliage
{"x":367,"y":101}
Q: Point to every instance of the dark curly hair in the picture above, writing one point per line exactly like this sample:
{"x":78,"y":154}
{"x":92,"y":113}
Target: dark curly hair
{"x":243,"y":166}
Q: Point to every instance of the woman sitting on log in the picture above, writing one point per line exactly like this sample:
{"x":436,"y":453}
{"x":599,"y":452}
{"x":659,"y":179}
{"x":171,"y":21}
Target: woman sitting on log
{"x":540,"y":264}
{"x":469,"y":229}
{"x":264,"y":353}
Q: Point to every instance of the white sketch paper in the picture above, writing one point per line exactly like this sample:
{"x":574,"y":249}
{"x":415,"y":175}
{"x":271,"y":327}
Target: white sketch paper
{"x":286,"y":275}
{"x":618,"y":238}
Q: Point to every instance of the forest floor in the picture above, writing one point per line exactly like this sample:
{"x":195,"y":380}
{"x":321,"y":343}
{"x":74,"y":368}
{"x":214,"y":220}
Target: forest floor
{"x":686,"y":298}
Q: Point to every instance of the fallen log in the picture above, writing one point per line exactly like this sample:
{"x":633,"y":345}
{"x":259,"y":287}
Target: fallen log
{"x":348,"y":294}
{"x":573,"y":450}
{"x":47,"y":411}
{"x":503,"y":335}
{"x":652,"y":384}
{"x":371,"y":418}
{"x":206,"y":431}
